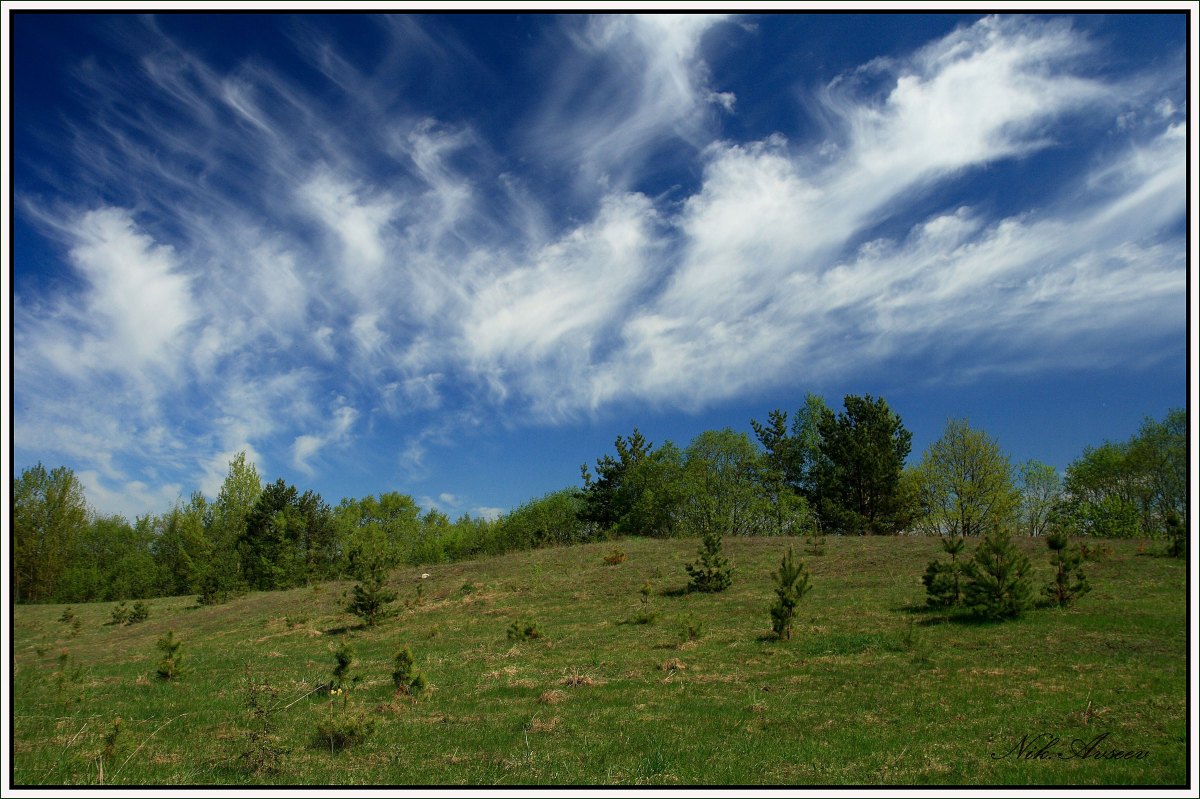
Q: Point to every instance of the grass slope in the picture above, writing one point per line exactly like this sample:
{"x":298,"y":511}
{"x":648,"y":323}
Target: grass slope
{"x":872,"y":690}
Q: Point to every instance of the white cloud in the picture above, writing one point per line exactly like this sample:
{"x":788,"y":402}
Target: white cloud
{"x":135,"y":309}
{"x":633,"y":82}
{"x":272,"y":250}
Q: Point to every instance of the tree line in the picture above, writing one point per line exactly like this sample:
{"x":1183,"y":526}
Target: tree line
{"x":811,"y":472}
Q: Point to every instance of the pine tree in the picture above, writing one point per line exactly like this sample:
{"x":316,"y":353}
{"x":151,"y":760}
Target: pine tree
{"x":1069,"y":582}
{"x":407,"y":679}
{"x":168,"y":667}
{"x":371,"y":596}
{"x":1176,"y":535}
{"x":712,"y":572}
{"x":997,"y":586}
{"x":791,"y":584}
{"x":942,"y":580}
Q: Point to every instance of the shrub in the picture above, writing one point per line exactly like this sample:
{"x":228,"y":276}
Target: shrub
{"x":523,"y":631}
{"x":407,"y":679}
{"x":1176,"y":535}
{"x":943,"y":584}
{"x":791,"y":584}
{"x":120,"y":614}
{"x":139,"y":613}
{"x":616,"y":555}
{"x":168,"y":667}
{"x":646,"y":613}
{"x":997,"y":586}
{"x":1069,"y":582}
{"x":67,"y":616}
{"x":262,"y":752}
{"x":344,"y":727}
{"x":343,"y":657}
{"x":712,"y":572}
{"x":371,"y":595}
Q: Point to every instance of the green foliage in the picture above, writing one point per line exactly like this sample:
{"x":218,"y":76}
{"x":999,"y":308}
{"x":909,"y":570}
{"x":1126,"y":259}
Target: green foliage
{"x":604,"y":501}
{"x":49,"y":515}
{"x":523,"y":631}
{"x":169,"y":666}
{"x":652,"y":494}
{"x":1040,"y":490}
{"x":262,"y":751}
{"x":791,"y":584}
{"x":1126,"y":489}
{"x":998,"y":585}
{"x":345,"y":726}
{"x":943,"y":581}
{"x":615,"y":555}
{"x":552,"y":520}
{"x":722,"y":495}
{"x":856,"y":480}
{"x":369,"y":563}
{"x":1069,"y":582}
{"x":646,"y":614}
{"x":138,"y":613}
{"x":119,"y":614}
{"x":712,"y":572}
{"x":343,"y":657}
{"x":111,"y":560}
{"x":1176,"y":535}
{"x":407,"y":679}
{"x":964,"y":484}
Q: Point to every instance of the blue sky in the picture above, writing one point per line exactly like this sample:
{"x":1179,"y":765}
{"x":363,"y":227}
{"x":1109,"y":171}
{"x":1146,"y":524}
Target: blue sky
{"x":455,"y":256}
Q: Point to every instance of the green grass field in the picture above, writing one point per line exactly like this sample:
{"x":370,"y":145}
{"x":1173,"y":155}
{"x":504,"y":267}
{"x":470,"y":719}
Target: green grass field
{"x":872,"y":689}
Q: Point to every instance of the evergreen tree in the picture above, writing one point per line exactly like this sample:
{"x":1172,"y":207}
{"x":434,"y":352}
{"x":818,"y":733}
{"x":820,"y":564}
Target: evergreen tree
{"x":942,"y":580}
{"x":1069,"y":582}
{"x":997,"y":582}
{"x":604,"y":501}
{"x":857,"y":476}
{"x":712,"y":572}
{"x":369,"y":564}
{"x":791,"y":584}
{"x":1176,"y":535}
{"x":407,"y":679}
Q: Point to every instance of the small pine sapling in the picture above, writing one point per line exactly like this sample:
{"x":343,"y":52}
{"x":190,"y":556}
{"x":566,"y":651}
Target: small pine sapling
{"x":407,"y":678}
{"x":712,"y":572}
{"x":342,"y":680}
{"x":791,"y":584}
{"x":139,"y":613}
{"x":616,"y":555}
{"x":1069,"y":582}
{"x":1176,"y":535}
{"x":942,"y":580}
{"x":997,"y":583}
{"x":262,"y":752}
{"x":646,"y":613}
{"x":120,"y":615}
{"x":371,"y":595}
{"x":168,"y":667}
{"x":523,"y":631}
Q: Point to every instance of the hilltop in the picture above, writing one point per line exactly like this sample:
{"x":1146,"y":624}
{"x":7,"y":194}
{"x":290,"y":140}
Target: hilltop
{"x":873,"y":689}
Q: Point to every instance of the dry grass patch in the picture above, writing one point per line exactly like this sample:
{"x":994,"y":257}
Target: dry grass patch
{"x":576,"y":680}
{"x":552,"y":697}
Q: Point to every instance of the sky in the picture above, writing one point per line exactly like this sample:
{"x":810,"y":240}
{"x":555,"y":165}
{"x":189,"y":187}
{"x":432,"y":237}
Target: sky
{"x":455,"y":256}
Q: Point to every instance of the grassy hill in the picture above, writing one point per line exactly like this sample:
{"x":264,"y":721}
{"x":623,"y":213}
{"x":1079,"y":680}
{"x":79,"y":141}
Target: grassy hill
{"x":872,"y":690}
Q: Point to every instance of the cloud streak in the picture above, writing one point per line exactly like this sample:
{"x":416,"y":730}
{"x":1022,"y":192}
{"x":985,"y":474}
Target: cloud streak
{"x":286,"y":263}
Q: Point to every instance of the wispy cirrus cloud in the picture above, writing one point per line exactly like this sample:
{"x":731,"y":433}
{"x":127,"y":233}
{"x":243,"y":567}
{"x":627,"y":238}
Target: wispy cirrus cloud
{"x":289,"y":264}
